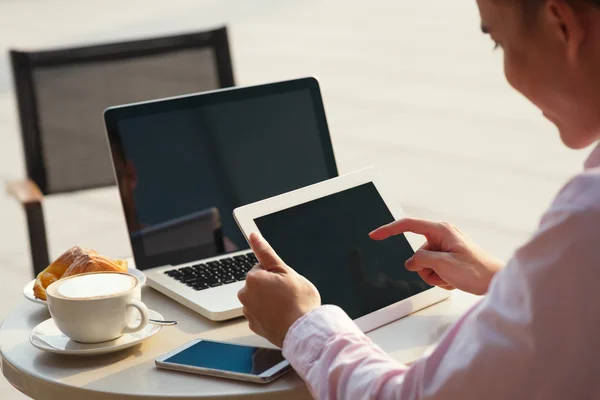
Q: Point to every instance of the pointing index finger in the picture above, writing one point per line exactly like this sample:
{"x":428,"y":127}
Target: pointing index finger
{"x":418,"y":226}
{"x":265,"y":253}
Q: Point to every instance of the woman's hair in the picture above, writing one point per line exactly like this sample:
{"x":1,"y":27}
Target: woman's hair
{"x":529,"y":3}
{"x":594,"y":2}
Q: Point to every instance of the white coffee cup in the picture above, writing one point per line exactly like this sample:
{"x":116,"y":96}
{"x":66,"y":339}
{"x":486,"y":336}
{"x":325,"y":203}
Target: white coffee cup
{"x":96,"y":307}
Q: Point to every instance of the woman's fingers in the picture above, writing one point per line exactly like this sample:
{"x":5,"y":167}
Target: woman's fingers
{"x":426,"y":262}
{"x":447,"y":287}
{"x":427,"y":259}
{"x":431,"y":278}
{"x":423,"y":227}
{"x":425,"y":246}
{"x":252,"y":324}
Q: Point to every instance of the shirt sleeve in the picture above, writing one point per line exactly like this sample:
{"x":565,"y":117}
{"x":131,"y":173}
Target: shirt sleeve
{"x":534,"y":336}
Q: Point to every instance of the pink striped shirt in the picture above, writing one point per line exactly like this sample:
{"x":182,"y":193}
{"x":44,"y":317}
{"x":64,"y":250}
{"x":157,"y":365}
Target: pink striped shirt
{"x":535,"y":335}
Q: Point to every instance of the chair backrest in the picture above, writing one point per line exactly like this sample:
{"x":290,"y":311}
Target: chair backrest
{"x":62,"y":94}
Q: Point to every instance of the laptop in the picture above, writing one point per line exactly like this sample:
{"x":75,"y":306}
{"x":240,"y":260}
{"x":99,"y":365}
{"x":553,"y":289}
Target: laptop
{"x":183,"y":164}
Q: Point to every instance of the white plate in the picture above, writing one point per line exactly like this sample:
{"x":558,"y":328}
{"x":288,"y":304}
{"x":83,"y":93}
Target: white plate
{"x":47,"y":337}
{"x":28,"y":289}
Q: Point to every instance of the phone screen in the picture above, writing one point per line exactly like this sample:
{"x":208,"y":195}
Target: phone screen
{"x":228,"y":357}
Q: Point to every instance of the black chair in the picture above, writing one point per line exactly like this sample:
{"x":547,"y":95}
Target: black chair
{"x":62,"y":93}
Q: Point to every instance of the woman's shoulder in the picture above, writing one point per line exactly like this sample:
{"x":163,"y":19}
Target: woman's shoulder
{"x":580,"y":193}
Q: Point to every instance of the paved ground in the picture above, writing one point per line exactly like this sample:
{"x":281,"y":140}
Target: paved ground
{"x":410,"y":86}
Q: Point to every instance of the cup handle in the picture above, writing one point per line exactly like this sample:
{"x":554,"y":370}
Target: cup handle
{"x":141,"y":307}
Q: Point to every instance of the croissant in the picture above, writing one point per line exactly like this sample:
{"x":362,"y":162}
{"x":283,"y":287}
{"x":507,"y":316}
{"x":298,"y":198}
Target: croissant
{"x":95,"y":263}
{"x":56,"y":270}
{"x":77,"y":260}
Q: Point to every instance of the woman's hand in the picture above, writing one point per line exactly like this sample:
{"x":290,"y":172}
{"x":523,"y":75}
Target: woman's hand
{"x":449,"y":259}
{"x":275,"y":295}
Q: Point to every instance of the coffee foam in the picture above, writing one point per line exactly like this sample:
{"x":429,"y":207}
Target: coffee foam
{"x":94,"y":286}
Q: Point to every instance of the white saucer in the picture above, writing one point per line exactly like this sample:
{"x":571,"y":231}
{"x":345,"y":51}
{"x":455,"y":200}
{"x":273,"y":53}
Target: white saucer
{"x":28,"y":289}
{"x":46,"y":336}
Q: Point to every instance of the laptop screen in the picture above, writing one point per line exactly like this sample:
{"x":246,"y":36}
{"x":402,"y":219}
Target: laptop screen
{"x":184,"y":164}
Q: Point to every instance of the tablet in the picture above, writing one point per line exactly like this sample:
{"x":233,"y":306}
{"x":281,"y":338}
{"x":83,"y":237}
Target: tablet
{"x":322,"y":231}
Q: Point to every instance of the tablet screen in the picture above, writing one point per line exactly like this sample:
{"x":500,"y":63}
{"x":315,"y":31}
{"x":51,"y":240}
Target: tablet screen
{"x":327,"y":241}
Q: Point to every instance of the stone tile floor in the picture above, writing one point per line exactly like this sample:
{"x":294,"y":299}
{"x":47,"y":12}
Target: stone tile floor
{"x":411,"y":87}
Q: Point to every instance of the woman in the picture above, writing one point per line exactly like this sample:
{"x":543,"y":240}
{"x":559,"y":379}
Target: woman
{"x":536,"y":334}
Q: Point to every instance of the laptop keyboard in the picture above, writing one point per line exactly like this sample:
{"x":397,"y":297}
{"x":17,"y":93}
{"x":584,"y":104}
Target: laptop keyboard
{"x":214,"y":273}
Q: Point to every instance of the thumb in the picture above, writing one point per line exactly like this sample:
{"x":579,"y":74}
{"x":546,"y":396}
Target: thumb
{"x":265,"y":254}
{"x":427,"y":259}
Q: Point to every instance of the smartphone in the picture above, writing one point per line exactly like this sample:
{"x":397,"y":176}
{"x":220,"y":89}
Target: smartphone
{"x":226,"y":360}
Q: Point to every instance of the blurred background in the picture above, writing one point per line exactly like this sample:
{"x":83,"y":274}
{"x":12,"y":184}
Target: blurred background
{"x":411,"y":87}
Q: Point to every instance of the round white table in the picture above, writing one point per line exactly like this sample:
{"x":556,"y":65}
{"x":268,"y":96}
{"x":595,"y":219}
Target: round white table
{"x":132,"y":374}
